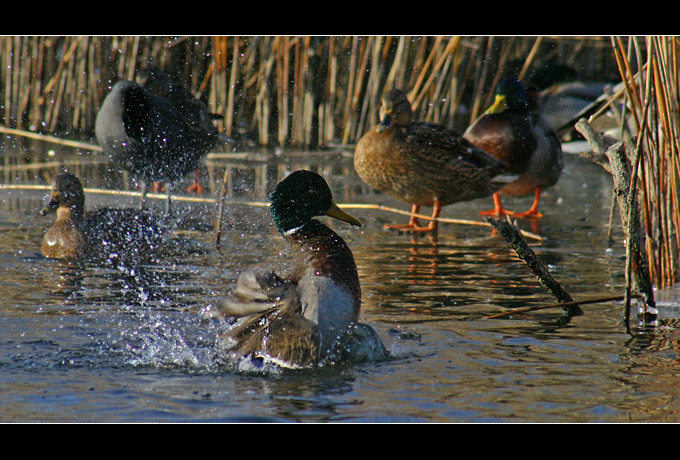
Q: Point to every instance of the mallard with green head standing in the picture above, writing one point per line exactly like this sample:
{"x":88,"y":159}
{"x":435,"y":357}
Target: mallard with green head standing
{"x":116,"y":235}
{"x":310,"y":316}
{"x":424,"y":164}
{"x":522,"y":139}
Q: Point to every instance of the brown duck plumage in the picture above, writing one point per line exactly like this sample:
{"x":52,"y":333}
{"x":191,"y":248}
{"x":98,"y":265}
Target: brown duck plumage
{"x":116,"y":235}
{"x":424,"y":164}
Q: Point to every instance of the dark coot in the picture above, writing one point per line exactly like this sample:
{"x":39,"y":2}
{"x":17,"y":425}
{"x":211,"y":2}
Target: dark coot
{"x":159,"y":83}
{"x":149,"y":136}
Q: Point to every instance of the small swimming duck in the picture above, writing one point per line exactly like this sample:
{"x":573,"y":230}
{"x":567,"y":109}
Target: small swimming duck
{"x":116,"y":235}
{"x":523,"y":140}
{"x":421,"y":163}
{"x":311,"y":316}
{"x":149,"y":136}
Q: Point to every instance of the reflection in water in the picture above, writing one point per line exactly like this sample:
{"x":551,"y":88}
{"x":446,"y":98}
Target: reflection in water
{"x":90,"y":342}
{"x":448,"y":277}
{"x":100,"y":284}
{"x":310,"y":396}
{"x":424,"y":260}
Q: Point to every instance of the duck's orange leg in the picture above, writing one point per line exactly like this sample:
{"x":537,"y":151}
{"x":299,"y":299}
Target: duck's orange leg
{"x":433,"y":225}
{"x":533,"y":211}
{"x":158,"y":187}
{"x":195,"y":187}
{"x":497,"y":210}
{"x":413,"y":221}
{"x":414,"y":224}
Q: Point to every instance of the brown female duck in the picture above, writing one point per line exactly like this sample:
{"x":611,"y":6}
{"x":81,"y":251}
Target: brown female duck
{"x":311,"y":316}
{"x":424,"y":164}
{"x":112,"y":234}
{"x":522,"y":139}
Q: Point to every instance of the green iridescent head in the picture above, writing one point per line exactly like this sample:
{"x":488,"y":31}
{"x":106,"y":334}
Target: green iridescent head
{"x":510,"y":95}
{"x":300,"y":197}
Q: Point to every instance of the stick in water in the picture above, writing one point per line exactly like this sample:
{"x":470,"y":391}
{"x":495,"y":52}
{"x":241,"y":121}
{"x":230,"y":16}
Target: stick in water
{"x":525,"y":253}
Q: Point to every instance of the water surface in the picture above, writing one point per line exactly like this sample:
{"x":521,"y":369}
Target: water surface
{"x":86,"y":343}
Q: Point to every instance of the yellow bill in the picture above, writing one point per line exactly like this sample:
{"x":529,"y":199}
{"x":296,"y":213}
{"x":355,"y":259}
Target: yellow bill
{"x":337,"y":213}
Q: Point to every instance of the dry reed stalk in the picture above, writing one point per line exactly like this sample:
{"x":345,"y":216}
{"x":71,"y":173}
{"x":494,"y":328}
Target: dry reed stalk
{"x":348,"y":114}
{"x":652,"y":95}
{"x":530,"y":57}
{"x":481,"y":71}
{"x":442,"y":74}
{"x":368,"y":108}
{"x":297,"y":88}
{"x":263,"y":97}
{"x":437,"y":219}
{"x":231,"y":90}
{"x":7,"y":80}
{"x":26,"y":63}
{"x":36,"y":70}
{"x":326,"y":125}
{"x":395,"y":68}
{"x":356,"y":94}
{"x":281,"y":48}
{"x":415,"y":87}
{"x":444,"y":58}
{"x":435,"y":110}
{"x":52,"y":139}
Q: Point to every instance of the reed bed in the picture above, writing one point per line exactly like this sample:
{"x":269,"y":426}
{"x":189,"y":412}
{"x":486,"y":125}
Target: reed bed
{"x":283,"y":91}
{"x":650,"y":125}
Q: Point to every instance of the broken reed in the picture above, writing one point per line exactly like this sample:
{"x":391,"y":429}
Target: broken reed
{"x":281,"y":90}
{"x":652,"y":134}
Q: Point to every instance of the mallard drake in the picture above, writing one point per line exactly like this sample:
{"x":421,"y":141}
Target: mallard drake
{"x":116,"y":235}
{"x":522,"y":139}
{"x":149,"y":136}
{"x":424,"y":164}
{"x":311,"y":316}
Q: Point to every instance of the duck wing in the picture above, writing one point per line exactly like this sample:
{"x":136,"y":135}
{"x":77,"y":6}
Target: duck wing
{"x":289,"y":341}
{"x":270,"y":322}
{"x":444,"y":148}
{"x":548,"y":160}
{"x":451,"y":166}
{"x":260,"y":290}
